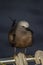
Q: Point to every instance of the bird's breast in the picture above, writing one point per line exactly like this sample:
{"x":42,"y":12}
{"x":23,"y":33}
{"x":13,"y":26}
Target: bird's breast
{"x":23,"y":39}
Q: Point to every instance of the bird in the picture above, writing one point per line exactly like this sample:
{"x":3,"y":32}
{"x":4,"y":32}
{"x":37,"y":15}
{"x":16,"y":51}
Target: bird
{"x":20,"y":35}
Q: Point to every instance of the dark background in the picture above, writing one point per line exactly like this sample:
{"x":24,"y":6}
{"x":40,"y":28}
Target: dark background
{"x":30,"y":10}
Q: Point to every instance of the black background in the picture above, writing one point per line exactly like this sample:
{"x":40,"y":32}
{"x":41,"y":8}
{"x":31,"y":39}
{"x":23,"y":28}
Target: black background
{"x":30,"y":10}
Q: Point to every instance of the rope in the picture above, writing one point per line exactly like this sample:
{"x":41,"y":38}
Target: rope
{"x":20,"y":59}
{"x":39,"y":57}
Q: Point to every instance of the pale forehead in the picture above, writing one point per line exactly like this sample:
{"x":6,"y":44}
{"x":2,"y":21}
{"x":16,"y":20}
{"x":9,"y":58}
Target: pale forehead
{"x":24,"y":23}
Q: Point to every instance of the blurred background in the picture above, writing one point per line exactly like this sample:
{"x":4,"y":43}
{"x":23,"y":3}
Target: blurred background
{"x":30,"y":10}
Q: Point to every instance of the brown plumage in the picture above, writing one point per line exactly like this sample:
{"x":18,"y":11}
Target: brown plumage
{"x":20,"y":36}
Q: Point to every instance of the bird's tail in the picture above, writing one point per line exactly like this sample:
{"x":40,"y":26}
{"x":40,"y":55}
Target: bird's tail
{"x":14,"y":21}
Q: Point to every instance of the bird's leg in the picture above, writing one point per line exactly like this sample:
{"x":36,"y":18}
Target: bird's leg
{"x":23,"y":50}
{"x":36,"y":64}
{"x":14,"y":53}
{"x":14,"y":50}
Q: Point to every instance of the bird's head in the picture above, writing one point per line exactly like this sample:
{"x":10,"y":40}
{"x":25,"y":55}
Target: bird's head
{"x":24,"y":24}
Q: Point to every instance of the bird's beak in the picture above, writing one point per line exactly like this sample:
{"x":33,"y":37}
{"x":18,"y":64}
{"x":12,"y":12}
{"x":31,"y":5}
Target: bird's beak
{"x":28,"y":29}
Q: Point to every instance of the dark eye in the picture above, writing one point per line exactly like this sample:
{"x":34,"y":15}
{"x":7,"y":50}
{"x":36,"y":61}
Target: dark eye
{"x":23,"y":26}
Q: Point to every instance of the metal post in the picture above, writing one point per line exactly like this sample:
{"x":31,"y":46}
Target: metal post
{"x":9,"y":60}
